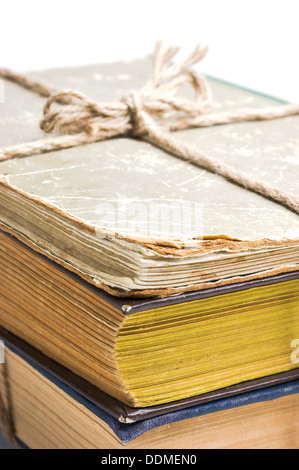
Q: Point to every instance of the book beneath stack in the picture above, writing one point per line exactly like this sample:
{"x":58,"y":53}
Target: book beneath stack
{"x":150,"y":351}
{"x":54,"y":409}
{"x":161,"y":285}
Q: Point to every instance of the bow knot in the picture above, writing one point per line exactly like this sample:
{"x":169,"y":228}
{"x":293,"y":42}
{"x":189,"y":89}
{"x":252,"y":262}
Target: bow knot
{"x":146,"y":115}
{"x":155,"y":103}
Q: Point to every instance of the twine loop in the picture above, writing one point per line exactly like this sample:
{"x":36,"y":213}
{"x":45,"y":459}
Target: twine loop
{"x":76,"y":113}
{"x":148,"y":114}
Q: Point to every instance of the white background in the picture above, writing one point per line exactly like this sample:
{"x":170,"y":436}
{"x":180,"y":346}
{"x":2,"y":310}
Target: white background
{"x":252,"y":43}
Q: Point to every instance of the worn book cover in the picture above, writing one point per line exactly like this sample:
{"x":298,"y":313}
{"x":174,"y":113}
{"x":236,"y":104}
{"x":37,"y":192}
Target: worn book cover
{"x":136,"y":221}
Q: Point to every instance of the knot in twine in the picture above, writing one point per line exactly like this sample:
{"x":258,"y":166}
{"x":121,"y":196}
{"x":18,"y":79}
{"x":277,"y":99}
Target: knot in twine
{"x":148,"y":115}
{"x":133,"y":115}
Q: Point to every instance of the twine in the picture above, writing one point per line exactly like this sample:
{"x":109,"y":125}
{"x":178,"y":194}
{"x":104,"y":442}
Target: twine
{"x":148,"y":115}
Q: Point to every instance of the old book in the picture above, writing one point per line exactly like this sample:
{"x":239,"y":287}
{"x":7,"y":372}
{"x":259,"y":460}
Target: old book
{"x":47,"y":414}
{"x":119,"y":410}
{"x":152,"y":351}
{"x":136,"y":221}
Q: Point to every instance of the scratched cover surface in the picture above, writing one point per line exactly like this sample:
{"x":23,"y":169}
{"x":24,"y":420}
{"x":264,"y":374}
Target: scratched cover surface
{"x":97,"y":183}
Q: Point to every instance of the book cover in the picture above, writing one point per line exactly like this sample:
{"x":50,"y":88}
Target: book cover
{"x":133,"y":219}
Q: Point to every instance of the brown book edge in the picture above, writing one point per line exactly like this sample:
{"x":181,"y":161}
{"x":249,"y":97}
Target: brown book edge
{"x":119,"y":410}
{"x":129,"y":305}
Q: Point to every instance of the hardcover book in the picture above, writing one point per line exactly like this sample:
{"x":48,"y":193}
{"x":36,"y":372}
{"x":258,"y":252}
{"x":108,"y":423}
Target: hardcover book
{"x":136,"y":221}
{"x":48,"y":414}
{"x":165,"y":293}
{"x":148,"y":352}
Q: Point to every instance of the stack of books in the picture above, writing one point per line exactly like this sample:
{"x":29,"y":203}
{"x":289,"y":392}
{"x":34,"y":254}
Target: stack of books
{"x":147,"y":303}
